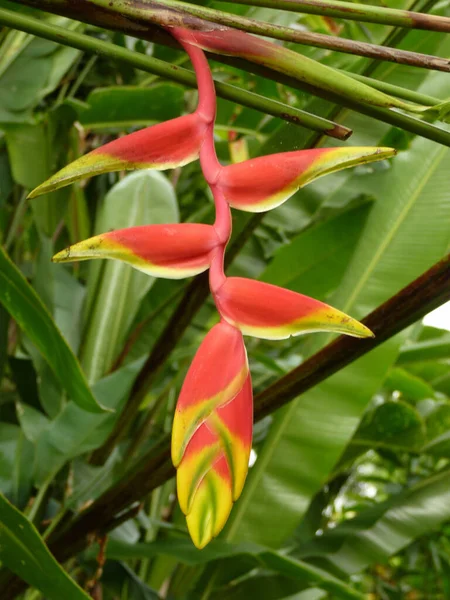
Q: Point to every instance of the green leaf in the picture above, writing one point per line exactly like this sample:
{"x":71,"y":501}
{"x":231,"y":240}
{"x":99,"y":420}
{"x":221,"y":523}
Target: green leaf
{"x":405,"y":233}
{"x":438,"y":431}
{"x":24,"y":305}
{"x":23,"y":551}
{"x":416,"y":512}
{"x":31,"y":68}
{"x":16,"y":459}
{"x":263,"y":585}
{"x":409,"y":385}
{"x":184,"y":551}
{"x":392,"y":424}
{"x":74,"y":431}
{"x":314,"y":262}
{"x":429,"y":350}
{"x":115,"y":290}
{"x":36,"y":151}
{"x":118,"y":576}
{"x":4,"y":322}
{"x":132,"y":106}
{"x":68,"y":303}
{"x":32,"y":421}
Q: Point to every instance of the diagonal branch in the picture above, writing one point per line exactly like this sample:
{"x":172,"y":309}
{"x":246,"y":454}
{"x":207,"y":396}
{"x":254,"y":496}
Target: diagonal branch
{"x":357,"y":12}
{"x":413,"y":302}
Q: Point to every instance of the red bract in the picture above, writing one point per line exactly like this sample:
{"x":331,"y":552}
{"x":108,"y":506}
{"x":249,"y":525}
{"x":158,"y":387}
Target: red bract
{"x":212,"y":428}
{"x":270,"y":312}
{"x":263,"y":183}
{"x":170,"y":251}
{"x":162,"y":146}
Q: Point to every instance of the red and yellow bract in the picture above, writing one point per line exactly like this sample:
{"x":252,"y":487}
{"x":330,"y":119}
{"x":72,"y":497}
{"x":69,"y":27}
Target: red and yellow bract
{"x":212,"y":432}
{"x":274,"y":313}
{"x":265,"y":182}
{"x":162,"y":146}
{"x":169,"y":251}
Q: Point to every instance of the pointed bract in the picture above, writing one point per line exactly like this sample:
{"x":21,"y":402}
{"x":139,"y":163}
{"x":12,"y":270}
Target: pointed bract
{"x":170,"y":251}
{"x":265,"y":182}
{"x":163,"y":146}
{"x":273,"y":313}
{"x":212,"y":432}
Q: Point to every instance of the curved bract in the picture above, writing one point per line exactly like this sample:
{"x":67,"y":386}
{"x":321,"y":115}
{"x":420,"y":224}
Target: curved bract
{"x":212,"y":432}
{"x":171,"y":251}
{"x":163,"y":146}
{"x":270,"y":312}
{"x":262,"y":183}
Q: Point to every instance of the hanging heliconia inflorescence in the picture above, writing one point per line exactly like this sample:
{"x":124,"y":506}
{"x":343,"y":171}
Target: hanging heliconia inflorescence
{"x":212,"y":427}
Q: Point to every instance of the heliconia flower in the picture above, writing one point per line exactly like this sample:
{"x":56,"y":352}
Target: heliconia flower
{"x":212,"y":432}
{"x":273,"y":313}
{"x":263,"y":183}
{"x":171,"y":251}
{"x":163,"y":146}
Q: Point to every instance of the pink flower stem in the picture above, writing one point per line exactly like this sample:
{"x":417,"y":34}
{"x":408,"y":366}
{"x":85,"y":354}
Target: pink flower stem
{"x":211,"y":167}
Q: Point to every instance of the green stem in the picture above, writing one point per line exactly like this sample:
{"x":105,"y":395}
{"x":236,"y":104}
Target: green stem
{"x":356,"y":12}
{"x":55,"y":521}
{"x":82,"y":76}
{"x":308,"y":38}
{"x":40,"y":497}
{"x":16,"y":221}
{"x":171,"y":72}
{"x":406,"y":122}
{"x":394,"y":90}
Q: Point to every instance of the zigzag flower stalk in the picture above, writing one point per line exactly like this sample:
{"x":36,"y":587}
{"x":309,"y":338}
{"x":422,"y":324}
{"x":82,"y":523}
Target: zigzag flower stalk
{"x":212,"y":427}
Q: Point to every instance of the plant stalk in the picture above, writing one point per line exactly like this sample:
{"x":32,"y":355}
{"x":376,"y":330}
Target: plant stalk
{"x":395,"y":90}
{"x":192,"y":300}
{"x":356,"y":12}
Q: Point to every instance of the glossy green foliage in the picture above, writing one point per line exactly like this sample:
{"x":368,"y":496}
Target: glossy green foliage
{"x":348,"y":490}
{"x":25,"y":553}
{"x":22,"y":302}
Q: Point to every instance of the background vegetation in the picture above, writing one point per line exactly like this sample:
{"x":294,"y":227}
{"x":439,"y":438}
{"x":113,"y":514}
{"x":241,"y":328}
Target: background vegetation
{"x":349,"y":493}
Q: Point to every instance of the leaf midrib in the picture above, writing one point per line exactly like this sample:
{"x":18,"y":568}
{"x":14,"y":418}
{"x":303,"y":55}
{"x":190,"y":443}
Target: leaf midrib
{"x":388,"y":238}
